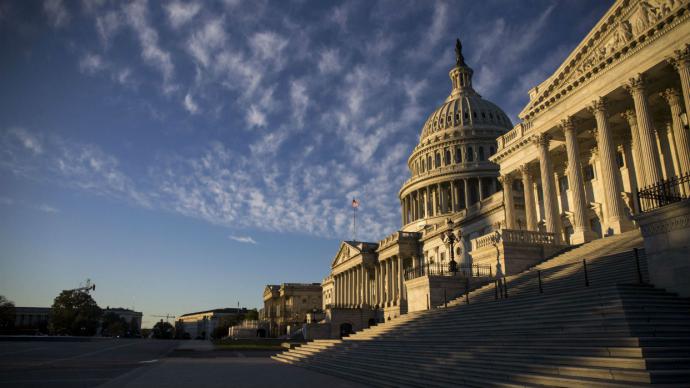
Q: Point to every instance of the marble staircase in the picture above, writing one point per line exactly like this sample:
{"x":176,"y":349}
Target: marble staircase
{"x":616,"y":332}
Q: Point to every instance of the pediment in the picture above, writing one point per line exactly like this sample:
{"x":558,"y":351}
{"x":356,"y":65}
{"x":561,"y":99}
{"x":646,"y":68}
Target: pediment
{"x":344,"y":254}
{"x":625,"y":22}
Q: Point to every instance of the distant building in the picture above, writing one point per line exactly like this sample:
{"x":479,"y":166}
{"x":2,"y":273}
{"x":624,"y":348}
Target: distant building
{"x":31,"y":320}
{"x":288,"y":304}
{"x":201,"y":324}
{"x":128,"y":315}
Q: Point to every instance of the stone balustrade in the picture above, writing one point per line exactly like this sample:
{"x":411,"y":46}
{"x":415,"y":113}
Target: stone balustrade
{"x":514,"y":236}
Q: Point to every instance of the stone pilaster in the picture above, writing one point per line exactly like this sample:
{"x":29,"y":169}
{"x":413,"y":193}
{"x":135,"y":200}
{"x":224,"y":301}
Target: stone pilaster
{"x":508,"y":200}
{"x":650,"y":152}
{"x":530,"y":206}
{"x":617,"y":221}
{"x":680,"y":135}
{"x":467,"y":193}
{"x":548,"y":187}
{"x":581,"y":230}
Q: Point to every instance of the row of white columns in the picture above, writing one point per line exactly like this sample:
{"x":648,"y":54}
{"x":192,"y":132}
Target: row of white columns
{"x":354,"y":287}
{"x":442,"y":198}
{"x":645,"y":153}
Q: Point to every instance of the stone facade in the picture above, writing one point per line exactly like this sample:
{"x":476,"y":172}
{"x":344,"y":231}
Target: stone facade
{"x":286,"y":306}
{"x":497,"y":198}
{"x":201,"y":324}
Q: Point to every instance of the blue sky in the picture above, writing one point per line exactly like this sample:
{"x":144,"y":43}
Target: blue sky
{"x":183,"y":155}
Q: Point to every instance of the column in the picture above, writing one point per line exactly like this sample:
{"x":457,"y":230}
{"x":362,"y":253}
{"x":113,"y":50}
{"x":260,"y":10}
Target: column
{"x":402,"y":211}
{"x":546,"y":169}
{"x":630,"y":116}
{"x":367,"y":290}
{"x":508,"y":204}
{"x":467,"y":194}
{"x":650,"y":158}
{"x":389,"y":282}
{"x":581,"y":230}
{"x":452,"y":196}
{"x":681,"y":62}
{"x":434,"y":203}
{"x":339,"y":291}
{"x":680,"y":135}
{"x":617,"y":221}
{"x":401,"y":280}
{"x":481,"y":189}
{"x":530,"y":207}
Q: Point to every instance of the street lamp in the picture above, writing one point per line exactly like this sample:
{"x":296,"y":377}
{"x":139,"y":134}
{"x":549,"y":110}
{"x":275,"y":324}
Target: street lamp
{"x":450,"y":239}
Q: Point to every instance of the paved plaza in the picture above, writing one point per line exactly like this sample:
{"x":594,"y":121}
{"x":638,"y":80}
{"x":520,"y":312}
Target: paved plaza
{"x":146,"y":363}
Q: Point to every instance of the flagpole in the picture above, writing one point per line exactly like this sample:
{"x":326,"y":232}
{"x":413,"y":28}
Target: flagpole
{"x":355,"y":205}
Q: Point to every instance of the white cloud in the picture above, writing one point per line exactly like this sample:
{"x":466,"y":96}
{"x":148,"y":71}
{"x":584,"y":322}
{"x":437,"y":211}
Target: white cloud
{"x":30,"y":141}
{"x":190,"y":105}
{"x":205,"y":41}
{"x":180,"y":13}
{"x":91,"y":63}
{"x":47,"y":208}
{"x":329,"y":61}
{"x":107,"y":26}
{"x":57,"y":14}
{"x":255,"y":118}
{"x":268,"y":45}
{"x":243,"y":239}
{"x":299,"y":100}
{"x":151,"y":52}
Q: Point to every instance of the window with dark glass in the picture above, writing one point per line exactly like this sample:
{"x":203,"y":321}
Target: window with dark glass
{"x":438,"y":160}
{"x":458,"y":155}
{"x":470,"y":154}
{"x":447,"y":158}
{"x":620,"y":159}
{"x":588,"y":172}
{"x":481,"y":153}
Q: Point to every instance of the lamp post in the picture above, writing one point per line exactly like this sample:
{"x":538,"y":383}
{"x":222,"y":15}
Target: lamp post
{"x":450,"y":239}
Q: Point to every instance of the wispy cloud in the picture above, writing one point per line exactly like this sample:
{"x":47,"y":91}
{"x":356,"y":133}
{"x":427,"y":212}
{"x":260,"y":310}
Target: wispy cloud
{"x":243,"y":239}
{"x":47,"y":208}
{"x":190,"y":105}
{"x":180,"y":13}
{"x":57,"y":14}
{"x":151,"y":52}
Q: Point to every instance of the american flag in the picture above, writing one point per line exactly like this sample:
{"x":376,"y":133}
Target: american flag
{"x":355,"y":203}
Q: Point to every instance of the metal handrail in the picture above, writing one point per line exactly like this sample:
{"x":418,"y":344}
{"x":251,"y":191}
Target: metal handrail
{"x":664,"y":192}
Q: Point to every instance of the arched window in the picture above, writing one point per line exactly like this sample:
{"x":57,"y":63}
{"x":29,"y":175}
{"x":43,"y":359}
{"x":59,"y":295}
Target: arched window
{"x":428,"y":162}
{"x":447,"y":158}
{"x":481,"y":153}
{"x":470,"y":154}
{"x":438,"y":160}
{"x":423,"y":168}
{"x":458,"y":155}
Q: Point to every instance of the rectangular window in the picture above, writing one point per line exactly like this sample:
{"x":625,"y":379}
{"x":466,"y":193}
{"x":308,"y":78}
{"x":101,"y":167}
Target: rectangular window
{"x":620,"y":159}
{"x":588,"y":172}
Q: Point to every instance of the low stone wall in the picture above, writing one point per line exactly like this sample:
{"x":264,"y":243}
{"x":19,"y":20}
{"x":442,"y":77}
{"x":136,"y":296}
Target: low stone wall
{"x":427,"y":292}
{"x":514,"y":257}
{"x":666,"y":233}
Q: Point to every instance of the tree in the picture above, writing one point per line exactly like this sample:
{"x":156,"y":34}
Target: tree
{"x":251,"y":315}
{"x":7,"y":313}
{"x":75,"y":313}
{"x":113,"y":325}
{"x":163,"y":330}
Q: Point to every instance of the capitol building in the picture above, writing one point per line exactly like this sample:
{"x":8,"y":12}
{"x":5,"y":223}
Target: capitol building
{"x":588,"y":191}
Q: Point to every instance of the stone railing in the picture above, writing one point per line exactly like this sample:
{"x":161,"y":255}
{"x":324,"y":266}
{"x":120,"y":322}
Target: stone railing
{"x":516,"y":133}
{"x":514,"y":236}
{"x":397,"y":236}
